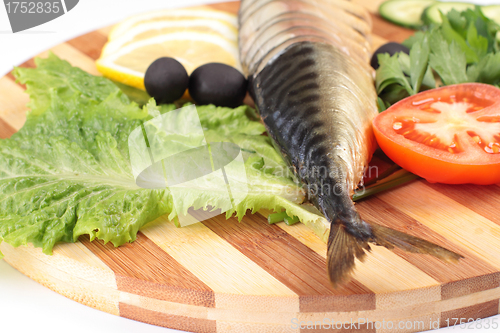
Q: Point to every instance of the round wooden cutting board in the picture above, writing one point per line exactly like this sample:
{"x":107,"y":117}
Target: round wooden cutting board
{"x":223,"y":276}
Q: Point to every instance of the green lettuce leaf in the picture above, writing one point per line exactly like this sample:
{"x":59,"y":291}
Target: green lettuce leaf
{"x":67,"y":172}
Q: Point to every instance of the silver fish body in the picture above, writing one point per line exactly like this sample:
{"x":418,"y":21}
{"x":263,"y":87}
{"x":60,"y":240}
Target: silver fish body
{"x":318,"y":107}
{"x":317,"y":102}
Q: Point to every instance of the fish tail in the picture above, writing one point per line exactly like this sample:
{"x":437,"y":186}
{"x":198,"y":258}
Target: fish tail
{"x":343,"y":248}
{"x":345,"y":244}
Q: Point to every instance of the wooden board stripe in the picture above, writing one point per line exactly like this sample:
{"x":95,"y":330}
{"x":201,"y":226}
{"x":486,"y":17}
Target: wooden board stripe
{"x":385,"y":214}
{"x":6,"y":130}
{"x":13,"y":78}
{"x":12,"y":107}
{"x":484,"y":200}
{"x":391,"y":277}
{"x":166,"y":320}
{"x":142,"y":268}
{"x":89,"y":44}
{"x":291,"y":262}
{"x":76,"y":58}
{"x":396,"y":275}
{"x":64,"y":275}
{"x":66,"y":52}
{"x":251,"y":327}
{"x":447,"y":218}
{"x":401,"y":310}
{"x":465,"y":300}
{"x":333,"y":315}
{"x":469,"y":314}
{"x":424,"y":285}
{"x":470,"y":286}
{"x":391,"y":34}
{"x":238,"y":282}
{"x":30,"y":63}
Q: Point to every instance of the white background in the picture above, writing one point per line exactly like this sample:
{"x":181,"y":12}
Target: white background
{"x":26,"y":306}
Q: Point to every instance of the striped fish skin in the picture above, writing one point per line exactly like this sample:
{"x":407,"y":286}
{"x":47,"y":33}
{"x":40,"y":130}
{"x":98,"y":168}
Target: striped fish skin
{"x":304,"y":19}
{"x":317,"y":104}
{"x":263,"y":32}
{"x":248,"y":6}
{"x":283,"y":31}
{"x":318,"y":7}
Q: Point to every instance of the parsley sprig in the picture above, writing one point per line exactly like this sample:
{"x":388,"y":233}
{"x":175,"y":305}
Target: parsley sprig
{"x":464,"y":48}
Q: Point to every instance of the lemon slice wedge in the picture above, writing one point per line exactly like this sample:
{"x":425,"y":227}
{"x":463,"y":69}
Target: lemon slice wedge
{"x":173,"y":15}
{"x":190,"y":47}
{"x":155,"y":28}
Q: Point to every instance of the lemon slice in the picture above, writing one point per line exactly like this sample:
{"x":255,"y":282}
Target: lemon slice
{"x":151,"y":29}
{"x":191,"y":48}
{"x":173,"y":15}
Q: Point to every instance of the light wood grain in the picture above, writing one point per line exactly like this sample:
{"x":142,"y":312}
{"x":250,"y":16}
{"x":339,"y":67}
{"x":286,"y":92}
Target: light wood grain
{"x":234,"y":278}
{"x":86,"y":284}
{"x":383,"y":271}
{"x":449,"y":219}
{"x":12,"y":107}
{"x":229,"y":276}
{"x":371,"y":5}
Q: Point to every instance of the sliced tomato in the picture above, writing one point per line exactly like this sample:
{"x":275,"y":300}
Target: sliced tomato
{"x":448,"y":135}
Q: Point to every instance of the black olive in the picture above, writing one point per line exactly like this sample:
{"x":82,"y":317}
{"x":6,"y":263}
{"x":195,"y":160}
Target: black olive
{"x":166,"y":80}
{"x":217,"y":84}
{"x":390,"y":48}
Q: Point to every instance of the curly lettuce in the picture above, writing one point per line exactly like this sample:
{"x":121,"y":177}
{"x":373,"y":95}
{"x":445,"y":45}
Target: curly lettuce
{"x":67,"y":172}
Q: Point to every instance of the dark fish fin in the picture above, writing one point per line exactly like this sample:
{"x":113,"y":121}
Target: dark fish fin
{"x":344,"y":247}
{"x":390,"y":238}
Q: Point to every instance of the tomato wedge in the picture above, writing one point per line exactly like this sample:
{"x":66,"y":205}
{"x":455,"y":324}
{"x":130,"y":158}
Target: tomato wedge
{"x":448,"y":135}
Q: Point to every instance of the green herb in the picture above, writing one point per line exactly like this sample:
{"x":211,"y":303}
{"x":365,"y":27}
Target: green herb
{"x":397,"y":178}
{"x":419,"y":57}
{"x":447,"y":60}
{"x":276,"y":217}
{"x":390,"y":72}
{"x":453,"y":37}
{"x":382,"y":106}
{"x":486,"y":71}
{"x":478,"y":43}
{"x":381,"y":177}
{"x":291,"y":220}
{"x":464,"y":48}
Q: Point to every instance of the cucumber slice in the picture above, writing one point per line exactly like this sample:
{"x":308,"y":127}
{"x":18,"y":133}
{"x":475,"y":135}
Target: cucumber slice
{"x":406,"y":13}
{"x":431,"y":14}
{"x":492,"y":12}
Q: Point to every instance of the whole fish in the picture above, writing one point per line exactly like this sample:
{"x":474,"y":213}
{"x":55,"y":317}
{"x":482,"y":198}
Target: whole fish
{"x":317,"y":99}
